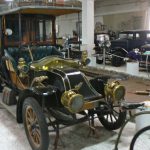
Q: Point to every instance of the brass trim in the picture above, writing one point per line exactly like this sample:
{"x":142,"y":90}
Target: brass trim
{"x":91,"y":104}
{"x":68,"y":97}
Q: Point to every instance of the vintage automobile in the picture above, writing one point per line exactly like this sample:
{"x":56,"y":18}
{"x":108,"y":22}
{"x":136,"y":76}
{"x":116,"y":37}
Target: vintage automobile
{"x":127,"y":41}
{"x":46,"y":89}
{"x":119,"y":49}
{"x":102,"y":47}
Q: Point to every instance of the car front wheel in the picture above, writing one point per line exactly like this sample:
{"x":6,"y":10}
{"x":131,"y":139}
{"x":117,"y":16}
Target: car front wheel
{"x":114,"y":118}
{"x":35,"y":125}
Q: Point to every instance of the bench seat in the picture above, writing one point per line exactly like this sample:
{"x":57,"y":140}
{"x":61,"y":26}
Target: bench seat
{"x":38,"y":53}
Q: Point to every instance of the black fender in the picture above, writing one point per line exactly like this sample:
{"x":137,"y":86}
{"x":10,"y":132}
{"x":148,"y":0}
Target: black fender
{"x":118,"y":56}
{"x":46,"y":97}
{"x":98,"y":84}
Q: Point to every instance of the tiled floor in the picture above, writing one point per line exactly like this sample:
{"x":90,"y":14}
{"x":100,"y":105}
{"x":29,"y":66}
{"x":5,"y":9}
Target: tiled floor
{"x":76,"y":137}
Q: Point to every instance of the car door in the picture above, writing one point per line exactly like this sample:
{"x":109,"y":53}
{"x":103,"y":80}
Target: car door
{"x":131,"y":41}
{"x":140,"y":39}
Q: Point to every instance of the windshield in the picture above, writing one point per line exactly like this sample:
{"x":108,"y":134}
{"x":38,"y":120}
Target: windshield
{"x":102,"y":37}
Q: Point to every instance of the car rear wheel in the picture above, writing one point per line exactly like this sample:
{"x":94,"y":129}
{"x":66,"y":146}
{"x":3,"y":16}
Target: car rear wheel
{"x":35,"y":125}
{"x":114,"y":118}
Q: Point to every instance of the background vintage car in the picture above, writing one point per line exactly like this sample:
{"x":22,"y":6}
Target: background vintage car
{"x":126,"y":42}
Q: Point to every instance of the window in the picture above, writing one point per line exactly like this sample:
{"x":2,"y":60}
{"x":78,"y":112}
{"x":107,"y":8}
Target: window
{"x":148,"y":35}
{"x":130,"y":36}
{"x":123,"y":35}
{"x":137,"y":36}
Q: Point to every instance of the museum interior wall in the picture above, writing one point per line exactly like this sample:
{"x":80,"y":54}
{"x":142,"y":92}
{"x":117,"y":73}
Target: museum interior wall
{"x":115,"y":15}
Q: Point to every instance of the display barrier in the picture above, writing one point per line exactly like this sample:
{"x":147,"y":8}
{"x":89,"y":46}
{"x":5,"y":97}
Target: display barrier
{"x":132,"y":68}
{"x":143,"y":120}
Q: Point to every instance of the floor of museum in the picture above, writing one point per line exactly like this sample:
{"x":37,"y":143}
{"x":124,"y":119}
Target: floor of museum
{"x":77,"y":137}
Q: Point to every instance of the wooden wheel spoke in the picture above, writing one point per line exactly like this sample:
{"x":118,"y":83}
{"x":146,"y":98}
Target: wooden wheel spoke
{"x":29,"y":115}
{"x":29,"y":120}
{"x":34,"y":137}
{"x":29,"y":128}
{"x":38,"y":136}
{"x":34,"y":117}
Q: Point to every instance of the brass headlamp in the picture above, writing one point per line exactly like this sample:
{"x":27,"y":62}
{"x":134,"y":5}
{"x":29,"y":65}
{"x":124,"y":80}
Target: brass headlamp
{"x":72,"y":101}
{"x":115,"y":90}
{"x":22,"y":67}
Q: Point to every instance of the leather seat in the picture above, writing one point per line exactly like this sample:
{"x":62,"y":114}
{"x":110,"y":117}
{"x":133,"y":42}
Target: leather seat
{"x":38,"y":53}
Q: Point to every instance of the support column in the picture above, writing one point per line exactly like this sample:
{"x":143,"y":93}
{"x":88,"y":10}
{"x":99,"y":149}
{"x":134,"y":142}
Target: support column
{"x":88,"y":26}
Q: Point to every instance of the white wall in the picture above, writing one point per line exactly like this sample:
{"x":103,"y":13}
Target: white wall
{"x":66,"y":24}
{"x":117,"y":13}
{"x":107,"y":7}
{"x":125,"y":21}
{"x":122,"y":15}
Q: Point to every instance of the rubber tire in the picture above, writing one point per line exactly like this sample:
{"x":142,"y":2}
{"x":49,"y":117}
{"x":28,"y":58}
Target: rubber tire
{"x":99,"y":61}
{"x":137,"y":135}
{"x":113,"y":125}
{"x":116,"y":61}
{"x":116,"y":125}
{"x":30,"y":101}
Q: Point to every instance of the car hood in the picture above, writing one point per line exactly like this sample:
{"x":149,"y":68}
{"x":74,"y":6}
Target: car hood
{"x":119,"y":43}
{"x":52,"y":62}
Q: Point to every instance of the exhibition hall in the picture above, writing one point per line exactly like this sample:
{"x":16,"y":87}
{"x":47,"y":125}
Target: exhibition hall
{"x":75,"y":74}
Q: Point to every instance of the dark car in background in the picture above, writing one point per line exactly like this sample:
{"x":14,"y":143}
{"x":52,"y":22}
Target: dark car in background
{"x":102,"y":44}
{"x":127,"y":41}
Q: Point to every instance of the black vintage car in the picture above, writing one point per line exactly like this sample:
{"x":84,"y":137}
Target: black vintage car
{"x":126,"y":42}
{"x":45,"y":89}
{"x":102,"y":47}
